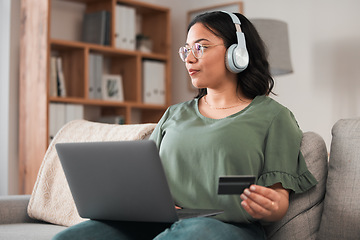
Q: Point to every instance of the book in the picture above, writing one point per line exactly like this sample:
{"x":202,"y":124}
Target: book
{"x":125,"y":27}
{"x":120,"y":27}
{"x":98,"y":68}
{"x":61,"y":87}
{"x":131,"y":29}
{"x":53,"y":89}
{"x":153,"y":82}
{"x":91,"y":76}
{"x":96,"y":27}
{"x":107,"y":29}
{"x":112,"y":119}
{"x":95,"y":75}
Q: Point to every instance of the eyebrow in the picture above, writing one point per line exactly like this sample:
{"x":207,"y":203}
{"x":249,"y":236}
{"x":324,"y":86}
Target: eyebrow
{"x":199,"y":40}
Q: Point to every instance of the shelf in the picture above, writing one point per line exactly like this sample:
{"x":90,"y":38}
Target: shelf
{"x":39,"y":89}
{"x":60,"y":44}
{"x":99,"y":102}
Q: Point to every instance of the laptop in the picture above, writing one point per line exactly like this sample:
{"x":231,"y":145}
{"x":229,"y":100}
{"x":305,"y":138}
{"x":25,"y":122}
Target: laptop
{"x":121,"y":181}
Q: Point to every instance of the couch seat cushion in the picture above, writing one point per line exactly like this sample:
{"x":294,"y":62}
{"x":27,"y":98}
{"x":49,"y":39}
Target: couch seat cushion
{"x":29,"y":231}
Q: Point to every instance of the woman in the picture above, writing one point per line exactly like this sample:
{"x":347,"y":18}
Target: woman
{"x":231,"y":128}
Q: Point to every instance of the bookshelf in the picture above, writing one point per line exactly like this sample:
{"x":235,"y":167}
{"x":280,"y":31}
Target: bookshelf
{"x":152,"y":21}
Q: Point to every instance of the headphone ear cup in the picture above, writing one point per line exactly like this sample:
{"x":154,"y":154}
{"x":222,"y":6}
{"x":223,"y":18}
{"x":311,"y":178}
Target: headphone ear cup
{"x":237,"y":59}
{"x":229,"y":61}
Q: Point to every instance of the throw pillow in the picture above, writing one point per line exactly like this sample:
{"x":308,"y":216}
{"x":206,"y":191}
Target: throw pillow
{"x":51,"y":200}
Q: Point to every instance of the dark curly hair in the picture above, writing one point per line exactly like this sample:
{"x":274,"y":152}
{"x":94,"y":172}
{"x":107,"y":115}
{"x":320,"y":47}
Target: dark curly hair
{"x":256,"y":79}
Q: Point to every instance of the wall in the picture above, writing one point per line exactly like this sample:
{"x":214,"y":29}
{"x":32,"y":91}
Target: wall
{"x":325,"y":51}
{"x":9,"y":61}
{"x":14,"y":98}
{"x":4,"y":94}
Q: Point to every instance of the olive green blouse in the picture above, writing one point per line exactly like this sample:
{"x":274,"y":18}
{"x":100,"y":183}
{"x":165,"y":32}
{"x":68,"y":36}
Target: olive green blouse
{"x":262,"y":140}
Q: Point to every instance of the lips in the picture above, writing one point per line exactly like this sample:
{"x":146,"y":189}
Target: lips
{"x":193,"y":71}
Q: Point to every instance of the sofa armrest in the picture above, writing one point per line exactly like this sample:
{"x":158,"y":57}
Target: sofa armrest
{"x":302,"y":219}
{"x":341,"y":216}
{"x":13,"y":209}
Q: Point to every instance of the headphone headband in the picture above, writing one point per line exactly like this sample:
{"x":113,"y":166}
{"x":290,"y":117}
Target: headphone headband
{"x":234,"y":18}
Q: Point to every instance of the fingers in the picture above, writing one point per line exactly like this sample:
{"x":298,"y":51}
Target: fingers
{"x":260,"y":202}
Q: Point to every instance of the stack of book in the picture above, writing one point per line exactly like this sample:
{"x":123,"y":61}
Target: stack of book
{"x":153,"y":82}
{"x":101,"y":85}
{"x":60,"y":114}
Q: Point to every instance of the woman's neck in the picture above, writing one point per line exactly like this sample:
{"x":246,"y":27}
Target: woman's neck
{"x":225,"y":98}
{"x":218,"y":105}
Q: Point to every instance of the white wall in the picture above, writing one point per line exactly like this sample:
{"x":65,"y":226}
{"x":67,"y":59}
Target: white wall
{"x":325,"y":52}
{"x":325,"y":49}
{"x":8,"y":99}
{"x":4,"y":94}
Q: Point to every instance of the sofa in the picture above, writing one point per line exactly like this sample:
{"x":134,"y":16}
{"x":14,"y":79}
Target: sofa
{"x":330,"y":210}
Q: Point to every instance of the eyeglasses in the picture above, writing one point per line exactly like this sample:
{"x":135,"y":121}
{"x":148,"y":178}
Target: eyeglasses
{"x":197,"y":50}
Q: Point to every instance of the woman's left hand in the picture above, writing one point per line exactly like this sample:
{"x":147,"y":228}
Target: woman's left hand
{"x":266,"y":203}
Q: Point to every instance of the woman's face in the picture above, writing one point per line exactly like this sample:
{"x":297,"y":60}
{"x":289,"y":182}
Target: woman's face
{"x":208,"y":71}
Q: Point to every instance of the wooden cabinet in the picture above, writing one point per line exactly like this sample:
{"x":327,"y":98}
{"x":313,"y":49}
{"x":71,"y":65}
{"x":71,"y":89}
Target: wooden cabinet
{"x":154,"y":22}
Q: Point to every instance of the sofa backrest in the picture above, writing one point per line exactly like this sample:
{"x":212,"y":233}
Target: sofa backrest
{"x":303,"y":217}
{"x":341,"y":217}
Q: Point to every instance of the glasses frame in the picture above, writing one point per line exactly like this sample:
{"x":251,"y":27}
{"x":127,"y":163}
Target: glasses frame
{"x":192,"y":49}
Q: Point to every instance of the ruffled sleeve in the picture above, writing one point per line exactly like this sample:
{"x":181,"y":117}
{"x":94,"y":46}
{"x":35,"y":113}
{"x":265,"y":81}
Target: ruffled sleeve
{"x":283,"y":160}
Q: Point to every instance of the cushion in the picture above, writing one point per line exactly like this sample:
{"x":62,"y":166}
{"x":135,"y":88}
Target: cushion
{"x":302,"y":219}
{"x":51,"y":200}
{"x":341,"y":216}
{"x":29,"y":231}
{"x":13,"y":209}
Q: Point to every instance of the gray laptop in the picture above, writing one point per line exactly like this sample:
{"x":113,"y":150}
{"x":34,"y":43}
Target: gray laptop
{"x":121,"y":181}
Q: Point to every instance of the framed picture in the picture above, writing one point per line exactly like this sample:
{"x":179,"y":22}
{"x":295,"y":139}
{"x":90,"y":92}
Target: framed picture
{"x":230,"y":7}
{"x":112,"y":87}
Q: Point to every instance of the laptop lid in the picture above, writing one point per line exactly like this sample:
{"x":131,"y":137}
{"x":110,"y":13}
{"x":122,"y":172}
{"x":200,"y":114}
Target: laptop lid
{"x":122,"y":181}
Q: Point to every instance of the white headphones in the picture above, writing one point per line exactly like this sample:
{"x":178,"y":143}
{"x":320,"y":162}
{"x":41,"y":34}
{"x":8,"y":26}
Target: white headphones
{"x":237,"y":56}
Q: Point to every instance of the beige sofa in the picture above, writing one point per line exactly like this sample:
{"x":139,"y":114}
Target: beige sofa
{"x":331,"y":210}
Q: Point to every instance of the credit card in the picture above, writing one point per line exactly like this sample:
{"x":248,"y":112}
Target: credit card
{"x":234,"y":184}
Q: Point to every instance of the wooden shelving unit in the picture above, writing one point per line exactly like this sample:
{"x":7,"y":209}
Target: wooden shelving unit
{"x":155,"y":23}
